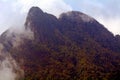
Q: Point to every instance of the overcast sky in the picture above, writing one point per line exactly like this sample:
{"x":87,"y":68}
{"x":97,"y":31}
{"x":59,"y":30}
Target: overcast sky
{"x":107,"y":12}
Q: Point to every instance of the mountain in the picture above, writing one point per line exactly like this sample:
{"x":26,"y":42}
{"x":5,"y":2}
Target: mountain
{"x":72,"y":47}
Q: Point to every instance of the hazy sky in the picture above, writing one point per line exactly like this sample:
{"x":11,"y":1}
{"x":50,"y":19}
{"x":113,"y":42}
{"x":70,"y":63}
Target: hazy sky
{"x":107,"y":12}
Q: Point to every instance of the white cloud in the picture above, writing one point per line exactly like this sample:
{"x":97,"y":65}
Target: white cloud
{"x":13,"y":12}
{"x":6,"y":71}
{"x":51,"y":6}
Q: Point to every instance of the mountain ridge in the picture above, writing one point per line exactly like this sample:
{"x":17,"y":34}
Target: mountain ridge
{"x":71,"y":47}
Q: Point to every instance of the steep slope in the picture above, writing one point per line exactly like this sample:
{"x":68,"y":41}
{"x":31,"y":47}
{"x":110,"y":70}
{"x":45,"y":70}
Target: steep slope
{"x":42,"y":24}
{"x":91,"y":27}
{"x":72,"y":47}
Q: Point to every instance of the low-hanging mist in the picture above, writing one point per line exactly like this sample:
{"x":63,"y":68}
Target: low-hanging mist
{"x":9,"y":68}
{"x":13,"y":12}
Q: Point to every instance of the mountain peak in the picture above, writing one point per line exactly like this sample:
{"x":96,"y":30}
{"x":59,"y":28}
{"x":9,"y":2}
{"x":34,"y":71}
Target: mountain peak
{"x":34,"y":15}
{"x":41,"y":23}
{"x":77,"y":16}
{"x":34,"y":11}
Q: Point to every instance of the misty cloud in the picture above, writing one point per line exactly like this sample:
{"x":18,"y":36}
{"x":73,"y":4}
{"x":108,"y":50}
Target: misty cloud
{"x":6,"y":72}
{"x":9,"y":69}
{"x":13,"y":12}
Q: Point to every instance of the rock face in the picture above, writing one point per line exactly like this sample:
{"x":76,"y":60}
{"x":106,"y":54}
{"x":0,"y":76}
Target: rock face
{"x":71,"y":47}
{"x":42,"y":24}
